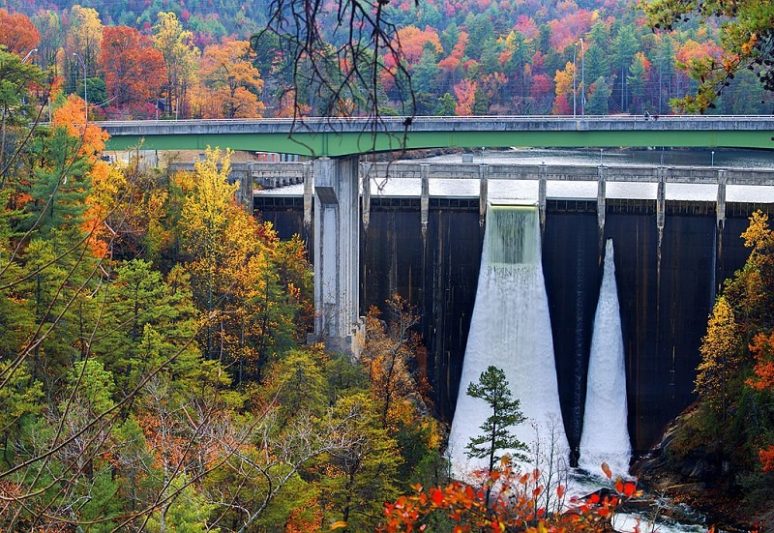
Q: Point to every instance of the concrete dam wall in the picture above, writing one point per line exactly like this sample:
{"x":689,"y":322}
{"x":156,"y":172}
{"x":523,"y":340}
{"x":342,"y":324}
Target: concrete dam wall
{"x":665,"y":295}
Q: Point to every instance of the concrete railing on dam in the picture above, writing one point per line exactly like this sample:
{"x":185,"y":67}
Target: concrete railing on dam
{"x":337,"y":192}
{"x":319,"y":137}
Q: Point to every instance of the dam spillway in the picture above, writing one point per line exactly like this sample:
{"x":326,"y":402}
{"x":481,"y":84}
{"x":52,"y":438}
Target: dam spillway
{"x":511,"y":330}
{"x":662,"y":319}
{"x":605,"y":436}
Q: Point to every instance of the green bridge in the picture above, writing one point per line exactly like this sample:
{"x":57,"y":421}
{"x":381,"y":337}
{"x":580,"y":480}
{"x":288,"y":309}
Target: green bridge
{"x":336,"y":137}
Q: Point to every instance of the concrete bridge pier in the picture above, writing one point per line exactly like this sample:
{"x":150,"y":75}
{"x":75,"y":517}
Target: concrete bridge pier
{"x":336,"y":254}
{"x":483,"y":195}
{"x":720,"y":209}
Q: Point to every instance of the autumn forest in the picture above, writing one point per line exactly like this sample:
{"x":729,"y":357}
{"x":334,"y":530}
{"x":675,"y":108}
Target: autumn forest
{"x":156,"y":372}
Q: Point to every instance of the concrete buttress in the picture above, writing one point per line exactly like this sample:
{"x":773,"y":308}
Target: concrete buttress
{"x":336,"y":254}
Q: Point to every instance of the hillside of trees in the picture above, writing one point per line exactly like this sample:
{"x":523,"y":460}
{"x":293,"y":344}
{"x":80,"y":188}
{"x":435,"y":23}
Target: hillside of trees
{"x":154,"y":369}
{"x":154,"y":372}
{"x":194,"y":59}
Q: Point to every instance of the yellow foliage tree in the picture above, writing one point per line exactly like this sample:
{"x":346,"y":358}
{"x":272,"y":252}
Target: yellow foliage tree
{"x":84,"y":37}
{"x":180,"y":57}
{"x":233,"y":261}
{"x":719,"y":356}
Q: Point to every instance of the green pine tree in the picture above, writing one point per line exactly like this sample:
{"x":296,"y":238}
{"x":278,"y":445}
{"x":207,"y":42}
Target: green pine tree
{"x":492,"y":387}
{"x":599,"y":98}
{"x":446,"y":106}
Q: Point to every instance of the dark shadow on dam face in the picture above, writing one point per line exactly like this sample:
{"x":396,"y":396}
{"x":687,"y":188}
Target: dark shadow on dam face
{"x":665,"y":298}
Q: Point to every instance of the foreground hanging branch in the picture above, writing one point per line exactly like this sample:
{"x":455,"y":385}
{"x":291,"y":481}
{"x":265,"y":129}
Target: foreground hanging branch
{"x":334,"y":63}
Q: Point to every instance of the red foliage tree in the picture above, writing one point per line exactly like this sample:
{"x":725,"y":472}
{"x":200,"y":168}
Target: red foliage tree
{"x":541,"y":86}
{"x":527,"y":27}
{"x":571,"y":27}
{"x":134,"y":69}
{"x":17,"y":32}
{"x":516,"y":507}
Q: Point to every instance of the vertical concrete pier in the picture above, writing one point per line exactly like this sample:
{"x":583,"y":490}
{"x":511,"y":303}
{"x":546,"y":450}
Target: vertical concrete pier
{"x":721,"y":202}
{"x":336,"y":254}
{"x":601,"y":198}
{"x":424,"y":200}
{"x":483,"y":193}
{"x":365,"y":176}
{"x":308,"y":194}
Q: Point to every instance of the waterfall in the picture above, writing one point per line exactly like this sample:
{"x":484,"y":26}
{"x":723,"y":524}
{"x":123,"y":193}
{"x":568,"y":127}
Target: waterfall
{"x":605,"y":436}
{"x":510,"y":329}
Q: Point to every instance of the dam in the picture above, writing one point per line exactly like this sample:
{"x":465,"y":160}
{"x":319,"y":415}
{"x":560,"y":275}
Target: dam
{"x":676,"y":233}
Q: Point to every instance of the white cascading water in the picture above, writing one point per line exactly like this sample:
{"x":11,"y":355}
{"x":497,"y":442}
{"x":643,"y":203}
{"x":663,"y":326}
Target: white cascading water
{"x":605,"y":436}
{"x":510,"y":329}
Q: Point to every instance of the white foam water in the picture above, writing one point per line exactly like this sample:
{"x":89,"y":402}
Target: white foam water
{"x":605,"y":436}
{"x":510,"y":329}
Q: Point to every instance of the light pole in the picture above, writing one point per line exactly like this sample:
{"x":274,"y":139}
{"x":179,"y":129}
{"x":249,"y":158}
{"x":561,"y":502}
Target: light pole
{"x":583,"y":79}
{"x":713,"y":159}
{"x":574,"y":90}
{"x":34,"y":50}
{"x":85,"y":90}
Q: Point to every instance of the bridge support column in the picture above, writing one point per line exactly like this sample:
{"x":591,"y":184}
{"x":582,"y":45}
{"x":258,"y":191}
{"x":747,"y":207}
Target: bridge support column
{"x":720,"y":208}
{"x":336,"y":254}
{"x":308,"y":194}
{"x":365,"y":177}
{"x":245,"y":192}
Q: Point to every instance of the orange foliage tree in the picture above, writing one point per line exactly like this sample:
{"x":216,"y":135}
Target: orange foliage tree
{"x":413,"y":41}
{"x":134,"y":69}
{"x":104,"y":180}
{"x":465,"y":91}
{"x":17,"y":33}
{"x":230,"y":83}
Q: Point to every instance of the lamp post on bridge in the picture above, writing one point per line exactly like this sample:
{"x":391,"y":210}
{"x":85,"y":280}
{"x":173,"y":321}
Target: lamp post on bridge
{"x":85,"y":90}
{"x":34,"y":50}
{"x":574,"y":89}
{"x":583,"y":79}
{"x":26,"y":57}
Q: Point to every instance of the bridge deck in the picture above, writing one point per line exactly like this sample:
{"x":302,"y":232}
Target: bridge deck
{"x":349,"y":136}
